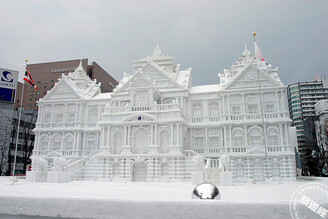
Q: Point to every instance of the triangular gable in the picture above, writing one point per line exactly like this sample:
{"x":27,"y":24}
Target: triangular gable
{"x":137,"y":80}
{"x":249,"y":78}
{"x":62,"y":91}
{"x":141,"y":81}
{"x":156,"y":73}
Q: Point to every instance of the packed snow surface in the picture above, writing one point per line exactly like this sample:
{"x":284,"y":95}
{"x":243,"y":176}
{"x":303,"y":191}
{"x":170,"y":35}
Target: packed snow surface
{"x":100,"y":199}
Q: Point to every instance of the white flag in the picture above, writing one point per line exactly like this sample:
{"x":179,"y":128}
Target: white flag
{"x":259,"y":59}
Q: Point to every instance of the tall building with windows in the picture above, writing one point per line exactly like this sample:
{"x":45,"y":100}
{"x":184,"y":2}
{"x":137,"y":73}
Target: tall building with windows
{"x":45,"y":75}
{"x":155,"y":122}
{"x":302,"y":97}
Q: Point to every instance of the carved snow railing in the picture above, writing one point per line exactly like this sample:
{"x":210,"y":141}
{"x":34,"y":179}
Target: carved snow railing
{"x":75,"y":166}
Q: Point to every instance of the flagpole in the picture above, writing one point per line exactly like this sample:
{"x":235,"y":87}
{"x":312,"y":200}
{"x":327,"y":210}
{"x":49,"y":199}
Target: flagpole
{"x":19,"y":118}
{"x":263,"y":122}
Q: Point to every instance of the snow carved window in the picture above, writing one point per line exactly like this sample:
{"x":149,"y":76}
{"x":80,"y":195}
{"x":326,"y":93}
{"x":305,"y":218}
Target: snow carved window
{"x":59,"y":114}
{"x":269,"y":104}
{"x":56,"y":142}
{"x":238,"y":138}
{"x":91,"y":142}
{"x":255,"y":137}
{"x":235,"y":106}
{"x":69,"y":142}
{"x":272,"y":136}
{"x":199,"y":141}
{"x":252,"y":105}
{"x":197,"y":110}
{"x":213,"y":109}
{"x":46,"y":118}
{"x":44,"y":142}
{"x":71,"y":117}
{"x":214,"y":141}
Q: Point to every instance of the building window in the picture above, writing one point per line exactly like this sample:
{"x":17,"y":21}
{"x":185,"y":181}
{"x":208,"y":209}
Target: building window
{"x":70,"y":117}
{"x":56,"y":142}
{"x":69,"y":142}
{"x":237,"y":138}
{"x":91,"y":142}
{"x":214,"y":141}
{"x":272,"y":137}
{"x":197,"y":110}
{"x":252,"y":108}
{"x":47,"y":118}
{"x":213,"y":109}
{"x":199,"y":141}
{"x":255,"y":137}
{"x":235,"y":109}
{"x":44,"y":142}
{"x":269,"y":108}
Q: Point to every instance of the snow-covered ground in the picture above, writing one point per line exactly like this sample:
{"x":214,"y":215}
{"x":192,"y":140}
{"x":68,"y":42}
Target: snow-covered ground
{"x":96,"y":199}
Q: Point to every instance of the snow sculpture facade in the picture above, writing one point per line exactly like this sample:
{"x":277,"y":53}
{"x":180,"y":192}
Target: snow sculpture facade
{"x":154,"y":122}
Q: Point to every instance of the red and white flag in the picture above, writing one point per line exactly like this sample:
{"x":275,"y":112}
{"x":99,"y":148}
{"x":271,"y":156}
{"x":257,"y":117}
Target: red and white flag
{"x":259,"y":59}
{"x":28,"y":78}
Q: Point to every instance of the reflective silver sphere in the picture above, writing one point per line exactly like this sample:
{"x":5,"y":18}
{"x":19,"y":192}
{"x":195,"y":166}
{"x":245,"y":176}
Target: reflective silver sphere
{"x":206,"y":191}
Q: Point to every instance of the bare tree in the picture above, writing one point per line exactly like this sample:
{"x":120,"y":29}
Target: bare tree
{"x":25,"y":140}
{"x":312,"y":149}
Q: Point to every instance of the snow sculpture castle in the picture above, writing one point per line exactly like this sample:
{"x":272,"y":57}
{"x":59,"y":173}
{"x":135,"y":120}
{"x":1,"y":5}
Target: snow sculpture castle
{"x":155,"y":121}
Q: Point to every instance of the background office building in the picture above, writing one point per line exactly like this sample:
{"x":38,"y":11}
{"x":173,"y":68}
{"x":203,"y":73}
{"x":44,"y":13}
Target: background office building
{"x":45,"y":75}
{"x":302,"y":97}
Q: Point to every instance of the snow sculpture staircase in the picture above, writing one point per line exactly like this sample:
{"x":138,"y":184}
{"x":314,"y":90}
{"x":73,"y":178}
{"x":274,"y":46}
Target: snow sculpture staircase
{"x":88,"y":168}
{"x":94,"y":168}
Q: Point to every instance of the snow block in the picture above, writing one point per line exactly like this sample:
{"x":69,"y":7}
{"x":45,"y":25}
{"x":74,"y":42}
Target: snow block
{"x":36,"y":176}
{"x":59,"y":177}
{"x":226,"y":179}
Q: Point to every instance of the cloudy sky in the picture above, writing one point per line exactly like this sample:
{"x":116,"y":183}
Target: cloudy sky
{"x":205,"y":35}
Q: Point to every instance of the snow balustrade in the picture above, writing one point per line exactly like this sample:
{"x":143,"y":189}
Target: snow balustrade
{"x":238,"y":117}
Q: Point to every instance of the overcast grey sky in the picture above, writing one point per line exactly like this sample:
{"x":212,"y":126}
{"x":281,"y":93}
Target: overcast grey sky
{"x":205,"y":35}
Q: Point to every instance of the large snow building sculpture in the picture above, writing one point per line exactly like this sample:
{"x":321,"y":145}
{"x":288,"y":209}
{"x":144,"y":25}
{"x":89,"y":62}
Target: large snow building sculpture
{"x":155,"y":121}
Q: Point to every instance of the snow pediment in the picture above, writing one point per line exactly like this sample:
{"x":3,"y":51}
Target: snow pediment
{"x":138,"y":80}
{"x":62,"y":91}
{"x":159,"y":75}
{"x":141,"y":81}
{"x":249,"y":77}
{"x":140,"y":117}
{"x":256,"y":150}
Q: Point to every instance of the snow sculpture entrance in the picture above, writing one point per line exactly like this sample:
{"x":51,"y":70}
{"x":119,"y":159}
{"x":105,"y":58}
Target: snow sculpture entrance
{"x":140,"y":172}
{"x":141,"y":141}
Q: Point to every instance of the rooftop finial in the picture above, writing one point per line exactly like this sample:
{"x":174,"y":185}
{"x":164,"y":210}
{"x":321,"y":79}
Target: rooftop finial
{"x":246,"y":51}
{"x":157,"y":49}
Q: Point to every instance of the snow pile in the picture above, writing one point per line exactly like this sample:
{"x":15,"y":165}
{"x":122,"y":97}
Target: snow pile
{"x":94,"y":199}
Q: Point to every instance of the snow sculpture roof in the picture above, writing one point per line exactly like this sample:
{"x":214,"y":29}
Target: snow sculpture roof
{"x":243,"y":64}
{"x":76,"y":84}
{"x":156,"y":68}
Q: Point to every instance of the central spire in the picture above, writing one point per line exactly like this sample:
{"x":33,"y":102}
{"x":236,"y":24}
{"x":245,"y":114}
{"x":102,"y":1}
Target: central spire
{"x":157,"y":49}
{"x":246,"y":51}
